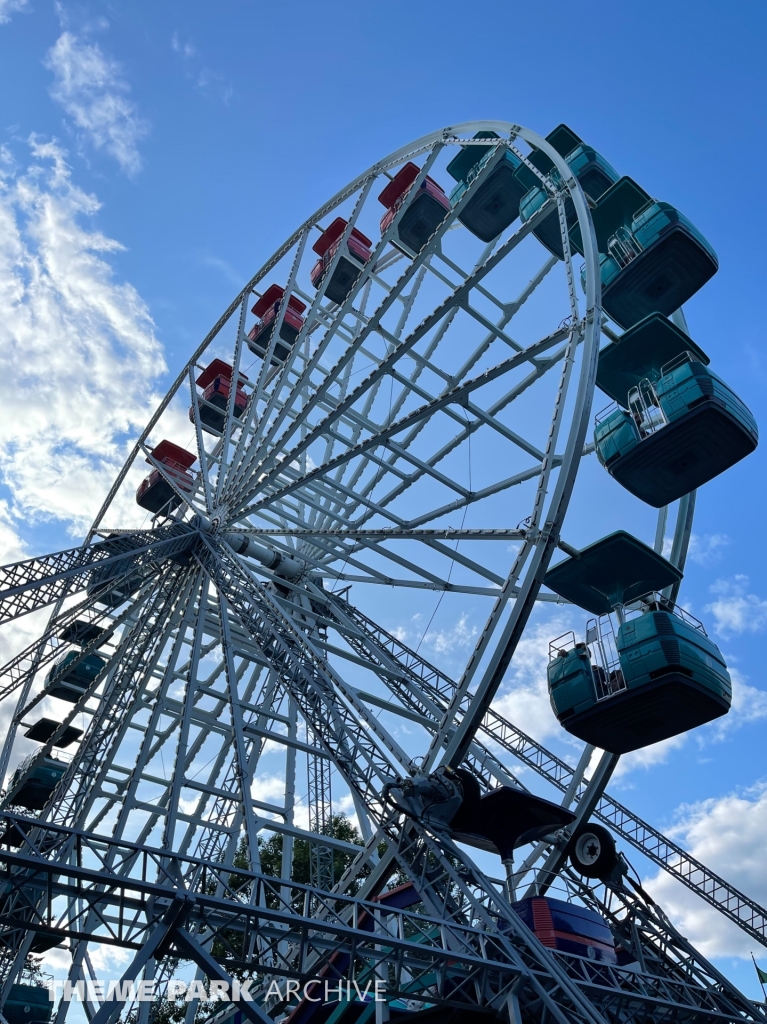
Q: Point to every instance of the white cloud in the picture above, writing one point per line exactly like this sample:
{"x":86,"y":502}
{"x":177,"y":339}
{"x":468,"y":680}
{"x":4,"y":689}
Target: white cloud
{"x":12,"y":549}
{"x":187,"y":49}
{"x":444,"y":641}
{"x":269,"y":788}
{"x":524,"y":698}
{"x":214,"y":83}
{"x":9,"y":7}
{"x":706,"y":550}
{"x":208,"y":81}
{"x":648,"y":757}
{"x":78,"y":356}
{"x":90,"y":87}
{"x":14,"y":636}
{"x":749,"y":704}
{"x":728,"y":835}
{"x":449,"y":640}
{"x":734,"y":609}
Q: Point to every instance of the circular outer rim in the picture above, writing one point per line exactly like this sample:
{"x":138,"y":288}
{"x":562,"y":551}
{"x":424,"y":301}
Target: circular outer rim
{"x":548,"y":535}
{"x":506,"y":130}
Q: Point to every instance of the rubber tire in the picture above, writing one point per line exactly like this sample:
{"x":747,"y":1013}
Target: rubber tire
{"x":592,"y":851}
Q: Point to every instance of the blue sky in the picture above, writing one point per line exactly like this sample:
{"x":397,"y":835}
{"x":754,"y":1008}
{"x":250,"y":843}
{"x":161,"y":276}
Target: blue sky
{"x":155,"y":154}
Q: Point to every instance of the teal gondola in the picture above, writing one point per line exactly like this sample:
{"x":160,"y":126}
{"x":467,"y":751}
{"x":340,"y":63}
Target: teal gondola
{"x":652,"y":258}
{"x":34,"y":780}
{"x":494,"y":202}
{"x":591,"y":169}
{"x":677,"y":425}
{"x":660,"y":675}
{"x":69,"y":682}
{"x":28,"y":1004}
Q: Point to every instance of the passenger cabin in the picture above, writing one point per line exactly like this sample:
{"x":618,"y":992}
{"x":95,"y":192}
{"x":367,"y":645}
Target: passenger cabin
{"x":71,"y":675}
{"x":125,"y":584}
{"x":676,"y":424}
{"x":355,"y":255}
{"x":34,"y":780}
{"x":215,"y":381}
{"x":28,"y":1004}
{"x":426,"y":209}
{"x":568,"y":927}
{"x":589,"y":167}
{"x":42,"y":730}
{"x":267,"y":309}
{"x":155,"y":494}
{"x":651,"y":257}
{"x":494,"y":201}
{"x":658,"y":676}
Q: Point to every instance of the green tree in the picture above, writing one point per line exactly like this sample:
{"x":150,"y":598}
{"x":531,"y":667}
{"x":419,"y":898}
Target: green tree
{"x":339,"y":827}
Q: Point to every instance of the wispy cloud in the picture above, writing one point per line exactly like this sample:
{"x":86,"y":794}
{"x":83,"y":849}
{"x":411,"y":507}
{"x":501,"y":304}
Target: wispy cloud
{"x":459,"y":635}
{"x":215,"y":84}
{"x":212,"y":83}
{"x":735,"y":610}
{"x":446,"y":640}
{"x":187,"y":49}
{"x":225,"y":268}
{"x":9,"y":7}
{"x":707,"y":549}
{"x":648,"y":757}
{"x":78,"y":354}
{"x":92,"y":90}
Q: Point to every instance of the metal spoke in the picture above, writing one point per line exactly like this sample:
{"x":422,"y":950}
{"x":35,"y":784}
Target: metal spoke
{"x":228,"y":707}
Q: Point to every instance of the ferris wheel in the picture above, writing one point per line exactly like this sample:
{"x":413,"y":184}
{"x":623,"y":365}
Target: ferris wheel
{"x":387,"y":422}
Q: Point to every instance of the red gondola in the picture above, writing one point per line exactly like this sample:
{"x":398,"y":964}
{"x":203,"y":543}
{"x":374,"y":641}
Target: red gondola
{"x":426,"y":210}
{"x":216,"y":381}
{"x":155,"y":493}
{"x":349,"y":267}
{"x":266,"y":309}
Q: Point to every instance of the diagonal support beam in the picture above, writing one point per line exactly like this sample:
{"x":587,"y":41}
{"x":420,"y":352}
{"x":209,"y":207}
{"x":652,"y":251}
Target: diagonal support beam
{"x":180,"y":907}
{"x":212,"y":968}
{"x":34,"y":583}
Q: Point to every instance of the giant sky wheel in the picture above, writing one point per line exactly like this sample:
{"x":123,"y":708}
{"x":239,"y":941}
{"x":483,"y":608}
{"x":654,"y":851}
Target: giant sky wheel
{"x":391,"y":415}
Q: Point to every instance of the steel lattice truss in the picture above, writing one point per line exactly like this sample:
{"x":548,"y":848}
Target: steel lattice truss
{"x":449,"y":392}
